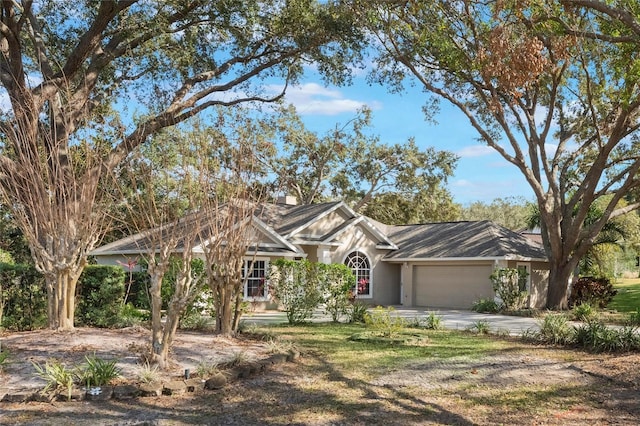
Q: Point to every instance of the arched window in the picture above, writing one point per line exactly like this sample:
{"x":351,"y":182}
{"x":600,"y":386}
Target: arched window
{"x":359,"y":263}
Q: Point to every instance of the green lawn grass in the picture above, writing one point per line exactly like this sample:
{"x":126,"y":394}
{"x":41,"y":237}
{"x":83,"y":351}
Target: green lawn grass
{"x":628,"y":297}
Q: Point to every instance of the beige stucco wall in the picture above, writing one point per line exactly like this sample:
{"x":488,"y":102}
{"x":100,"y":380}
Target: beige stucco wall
{"x":539,"y":279}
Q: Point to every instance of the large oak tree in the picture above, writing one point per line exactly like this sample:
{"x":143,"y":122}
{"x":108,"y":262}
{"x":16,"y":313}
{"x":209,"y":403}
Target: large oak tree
{"x":554,"y":90}
{"x":84,"y":83}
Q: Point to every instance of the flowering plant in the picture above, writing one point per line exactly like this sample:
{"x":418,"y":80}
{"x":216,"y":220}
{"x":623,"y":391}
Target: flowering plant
{"x":363,"y":286}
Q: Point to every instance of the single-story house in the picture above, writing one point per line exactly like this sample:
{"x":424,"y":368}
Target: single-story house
{"x":439,"y":265}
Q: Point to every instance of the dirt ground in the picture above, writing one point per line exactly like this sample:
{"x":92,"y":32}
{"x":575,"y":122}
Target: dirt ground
{"x":591,"y":389}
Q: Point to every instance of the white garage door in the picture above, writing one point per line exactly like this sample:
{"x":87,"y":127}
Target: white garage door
{"x":451,"y":286}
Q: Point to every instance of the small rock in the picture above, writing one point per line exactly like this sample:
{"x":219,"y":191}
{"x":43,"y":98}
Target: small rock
{"x":17,"y":397}
{"x":150,"y":389}
{"x":174,"y":388}
{"x":42,"y":397}
{"x":76,"y":395}
{"x":125,"y":392}
{"x":216,"y":382}
{"x":194,"y":385}
{"x":99,"y":393}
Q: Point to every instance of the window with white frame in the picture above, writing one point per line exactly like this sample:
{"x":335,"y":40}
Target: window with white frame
{"x":255,"y":273}
{"x":524,"y":276}
{"x":359,"y":263}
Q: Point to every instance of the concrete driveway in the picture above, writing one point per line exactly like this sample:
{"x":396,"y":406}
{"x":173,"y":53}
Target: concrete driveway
{"x":451,"y":319}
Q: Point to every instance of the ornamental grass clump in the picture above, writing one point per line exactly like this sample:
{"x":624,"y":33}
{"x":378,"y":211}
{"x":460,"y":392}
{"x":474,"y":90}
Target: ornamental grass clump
{"x":56,"y":375}
{"x":97,"y":371}
{"x":382,"y":322}
{"x":555,"y":329}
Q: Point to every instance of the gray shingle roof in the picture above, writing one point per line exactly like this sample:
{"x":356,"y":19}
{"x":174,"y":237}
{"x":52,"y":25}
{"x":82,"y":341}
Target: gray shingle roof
{"x":460,"y":240}
{"x":287,"y":218}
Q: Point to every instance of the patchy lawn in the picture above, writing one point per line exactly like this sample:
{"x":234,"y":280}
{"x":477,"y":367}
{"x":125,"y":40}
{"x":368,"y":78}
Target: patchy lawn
{"x":628,"y":297}
{"x":451,"y":378}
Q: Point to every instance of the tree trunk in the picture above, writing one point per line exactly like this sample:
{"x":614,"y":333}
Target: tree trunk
{"x":559,"y":279}
{"x":158,"y":352}
{"x":61,"y":293}
{"x":224,"y":311}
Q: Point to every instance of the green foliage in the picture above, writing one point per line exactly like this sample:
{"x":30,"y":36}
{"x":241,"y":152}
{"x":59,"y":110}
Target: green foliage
{"x":357,"y":311}
{"x":634,"y":317}
{"x":584,"y":312}
{"x":97,"y":371}
{"x":628,"y":297}
{"x":488,"y":306}
{"x":399,"y":183}
{"x":430,"y":321}
{"x":336,"y":281}
{"x":23,"y":298}
{"x":130,"y":316}
{"x":596,"y":291}
{"x":139,"y":294}
{"x":101,"y":289}
{"x":4,"y":360}
{"x":296,"y":286}
{"x":480,"y":327}
{"x":597,"y":337}
{"x":511,"y":212}
{"x":555,"y":329}
{"x":56,"y":375}
{"x":383,"y":322}
{"x":433,"y":321}
{"x":506,"y":284}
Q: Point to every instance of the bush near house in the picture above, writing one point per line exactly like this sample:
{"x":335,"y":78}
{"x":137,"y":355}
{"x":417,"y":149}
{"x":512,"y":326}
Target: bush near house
{"x":300,"y":286}
{"x":101,"y":291}
{"x":595,"y":291}
{"x":507,"y":283}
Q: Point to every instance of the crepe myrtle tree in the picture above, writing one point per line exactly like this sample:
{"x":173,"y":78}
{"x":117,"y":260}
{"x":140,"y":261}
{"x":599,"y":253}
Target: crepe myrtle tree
{"x":85,"y":83}
{"x":550,"y":85}
{"x":160,"y":206}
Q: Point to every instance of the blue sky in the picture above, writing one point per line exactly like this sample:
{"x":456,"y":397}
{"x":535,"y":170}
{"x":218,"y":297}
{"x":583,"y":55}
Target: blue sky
{"x":481,"y":175}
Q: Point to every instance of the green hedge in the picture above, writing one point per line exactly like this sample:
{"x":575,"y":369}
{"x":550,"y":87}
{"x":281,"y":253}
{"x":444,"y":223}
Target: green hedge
{"x":24,"y":295}
{"x":100,"y":293}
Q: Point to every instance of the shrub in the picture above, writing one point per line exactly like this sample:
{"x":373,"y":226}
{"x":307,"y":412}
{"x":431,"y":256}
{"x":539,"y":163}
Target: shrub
{"x":480,"y":327}
{"x":433,"y":321}
{"x":336,"y":282}
{"x":596,"y":291}
{"x":485,"y":306}
{"x":357,"y":312}
{"x":295,"y":285}
{"x":634,"y":317}
{"x":555,"y":329}
{"x":130,"y":315}
{"x":507,"y":285}
{"x":101,"y":290}
{"x":23,"y":298}
{"x":596,"y":336}
{"x":381,"y":321}
{"x":584,"y":312}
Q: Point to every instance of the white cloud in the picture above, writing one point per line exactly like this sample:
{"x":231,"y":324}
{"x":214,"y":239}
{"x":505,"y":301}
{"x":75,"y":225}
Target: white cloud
{"x":315,"y":99}
{"x":475,"y":151}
